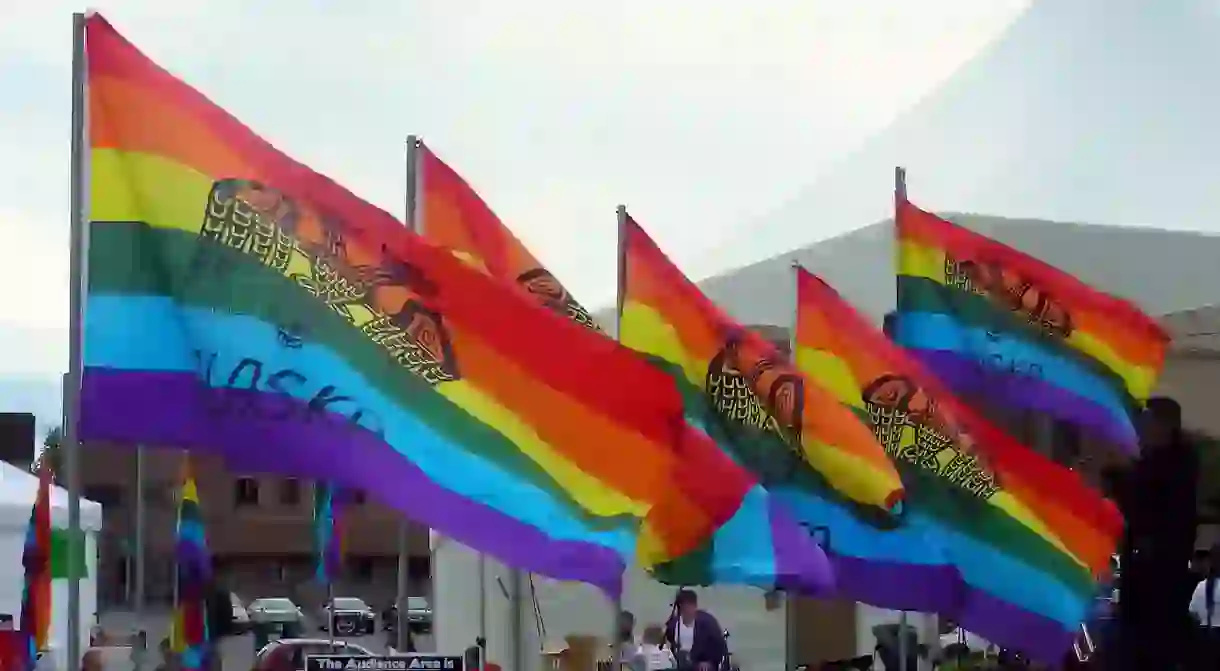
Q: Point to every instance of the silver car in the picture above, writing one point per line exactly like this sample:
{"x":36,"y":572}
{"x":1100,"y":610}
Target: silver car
{"x":419,"y":613}
{"x":275,"y":610}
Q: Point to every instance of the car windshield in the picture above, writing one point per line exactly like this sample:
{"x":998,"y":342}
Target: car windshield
{"x":274,"y":604}
{"x":349,"y":603}
{"x":417,"y":603}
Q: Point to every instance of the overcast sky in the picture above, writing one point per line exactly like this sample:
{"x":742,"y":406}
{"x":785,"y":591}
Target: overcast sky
{"x":701,"y":115}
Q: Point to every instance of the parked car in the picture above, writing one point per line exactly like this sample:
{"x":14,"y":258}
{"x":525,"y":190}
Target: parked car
{"x":288,"y":654}
{"x":279,"y":612}
{"x":352,"y":616}
{"x":241,"y":617}
{"x":419,"y":615}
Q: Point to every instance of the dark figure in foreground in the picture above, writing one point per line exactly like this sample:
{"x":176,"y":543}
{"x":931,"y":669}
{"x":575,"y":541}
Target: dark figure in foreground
{"x":694,"y":635}
{"x":1158,"y":499}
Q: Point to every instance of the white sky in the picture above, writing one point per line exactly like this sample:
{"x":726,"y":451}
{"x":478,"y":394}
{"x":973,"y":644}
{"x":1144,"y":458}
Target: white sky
{"x":700,"y":115}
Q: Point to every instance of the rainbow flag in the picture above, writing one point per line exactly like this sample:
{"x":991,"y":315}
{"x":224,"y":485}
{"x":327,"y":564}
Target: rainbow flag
{"x":1000,"y":325}
{"x":193,"y":573}
{"x":327,"y":533}
{"x":740,"y":390}
{"x":244,"y":305}
{"x":454,"y":216}
{"x":1027,"y":538}
{"x":756,"y":542}
{"x":36,"y":560}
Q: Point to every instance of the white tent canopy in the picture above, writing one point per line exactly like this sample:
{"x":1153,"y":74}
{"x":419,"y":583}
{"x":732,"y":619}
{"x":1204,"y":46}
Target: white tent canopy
{"x":18,"y":489}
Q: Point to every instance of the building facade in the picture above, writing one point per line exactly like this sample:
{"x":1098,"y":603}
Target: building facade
{"x":259,"y":530}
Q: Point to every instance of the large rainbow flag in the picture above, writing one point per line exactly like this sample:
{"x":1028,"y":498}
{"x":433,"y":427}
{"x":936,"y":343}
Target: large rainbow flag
{"x":997,"y":324}
{"x":739,"y":388}
{"x":757,"y":543}
{"x":1027,"y":537}
{"x":193,"y":573}
{"x":241,"y":304}
{"x":36,"y":560}
{"x":327,"y":533}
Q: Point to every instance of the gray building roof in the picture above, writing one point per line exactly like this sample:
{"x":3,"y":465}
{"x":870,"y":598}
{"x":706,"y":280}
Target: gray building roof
{"x":1162,"y":271}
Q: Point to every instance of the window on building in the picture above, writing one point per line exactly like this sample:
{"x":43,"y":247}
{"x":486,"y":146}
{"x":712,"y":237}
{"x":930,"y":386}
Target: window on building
{"x":245,"y":492}
{"x":362,"y":569}
{"x":110,"y":496}
{"x":290,"y":492}
{"x":160,"y":495}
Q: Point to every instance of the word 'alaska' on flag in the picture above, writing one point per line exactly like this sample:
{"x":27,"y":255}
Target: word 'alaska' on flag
{"x":454,"y":216}
{"x":327,"y":532}
{"x":244,"y":305}
{"x":998,"y":324}
{"x":36,"y":561}
{"x":1027,"y":537}
{"x":739,"y":389}
{"x":193,"y":575}
{"x":755,"y":542}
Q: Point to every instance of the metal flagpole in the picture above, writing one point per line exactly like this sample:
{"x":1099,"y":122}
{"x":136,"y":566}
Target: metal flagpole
{"x":140,"y":554}
{"x":790,"y":628}
{"x":76,"y":255}
{"x":619,"y":301}
{"x":900,"y":196}
{"x":404,"y":526}
{"x":482,"y":641}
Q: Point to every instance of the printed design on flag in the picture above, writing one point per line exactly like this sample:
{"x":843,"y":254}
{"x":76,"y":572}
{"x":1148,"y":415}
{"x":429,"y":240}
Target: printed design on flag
{"x":912,"y":427}
{"x":551,"y":293}
{"x":382,"y":300}
{"x":1011,"y":291}
{"x":752,"y":390}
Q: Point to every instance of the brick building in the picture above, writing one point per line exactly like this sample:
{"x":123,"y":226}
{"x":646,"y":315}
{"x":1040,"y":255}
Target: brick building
{"x":258,"y":527}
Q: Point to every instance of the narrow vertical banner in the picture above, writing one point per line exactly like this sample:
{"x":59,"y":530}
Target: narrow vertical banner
{"x":328,"y":546}
{"x":190,"y":639}
{"x":76,"y":287}
{"x":36,"y":561}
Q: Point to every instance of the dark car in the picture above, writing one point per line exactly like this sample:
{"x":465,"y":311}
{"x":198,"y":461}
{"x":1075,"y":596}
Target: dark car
{"x":419,"y":615}
{"x":351,"y":616}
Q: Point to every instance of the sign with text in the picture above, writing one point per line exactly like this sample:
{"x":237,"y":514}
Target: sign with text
{"x":396,"y":663}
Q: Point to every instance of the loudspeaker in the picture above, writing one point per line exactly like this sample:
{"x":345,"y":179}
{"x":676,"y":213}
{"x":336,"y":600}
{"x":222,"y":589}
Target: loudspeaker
{"x":17,"y":438}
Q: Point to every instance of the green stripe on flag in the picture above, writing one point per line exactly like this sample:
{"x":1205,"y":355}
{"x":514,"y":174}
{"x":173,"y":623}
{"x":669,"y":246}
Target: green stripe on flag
{"x":60,"y":564}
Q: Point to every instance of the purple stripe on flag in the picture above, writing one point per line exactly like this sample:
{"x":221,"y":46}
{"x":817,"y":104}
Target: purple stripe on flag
{"x":168,"y":409}
{"x":796,"y":569}
{"x":967,"y":377}
{"x":938,"y":588}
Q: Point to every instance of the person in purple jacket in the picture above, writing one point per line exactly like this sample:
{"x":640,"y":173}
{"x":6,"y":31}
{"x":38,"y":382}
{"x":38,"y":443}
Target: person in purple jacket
{"x":694,"y":635}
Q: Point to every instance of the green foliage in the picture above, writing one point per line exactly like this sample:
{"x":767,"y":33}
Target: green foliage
{"x":51,"y":451}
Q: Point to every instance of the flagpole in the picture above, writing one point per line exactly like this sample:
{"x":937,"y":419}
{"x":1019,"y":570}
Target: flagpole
{"x":619,"y":301}
{"x":790,"y":628}
{"x":404,"y":527}
{"x":900,"y":197}
{"x":76,"y":255}
{"x":139,"y":533}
